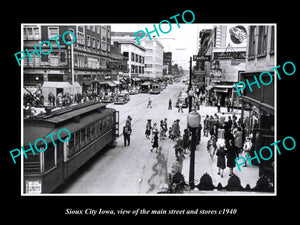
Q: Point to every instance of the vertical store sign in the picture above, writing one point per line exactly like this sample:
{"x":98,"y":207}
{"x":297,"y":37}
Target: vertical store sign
{"x":70,"y":50}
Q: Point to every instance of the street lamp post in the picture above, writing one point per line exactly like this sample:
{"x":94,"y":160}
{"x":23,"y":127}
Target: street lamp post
{"x":193,"y":119}
{"x":190,"y":86}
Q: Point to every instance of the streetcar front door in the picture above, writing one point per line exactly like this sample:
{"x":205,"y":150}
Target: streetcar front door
{"x":117,"y":124}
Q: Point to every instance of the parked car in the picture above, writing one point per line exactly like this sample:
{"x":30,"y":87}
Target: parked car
{"x":133,"y":91}
{"x":120,"y":99}
{"x":108,"y":99}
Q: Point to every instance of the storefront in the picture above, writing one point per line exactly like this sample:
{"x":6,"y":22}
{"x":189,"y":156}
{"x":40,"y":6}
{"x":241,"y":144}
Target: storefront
{"x":223,"y":92}
{"x":258,"y":118}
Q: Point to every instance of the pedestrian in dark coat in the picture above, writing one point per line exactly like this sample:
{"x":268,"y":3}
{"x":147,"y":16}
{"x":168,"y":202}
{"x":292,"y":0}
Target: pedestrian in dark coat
{"x":126,"y":134}
{"x":170,"y":105}
{"x":178,"y":149}
{"x":232,"y":154}
{"x":148,"y":128}
{"x":155,"y":139}
{"x":185,"y":140}
{"x":176,"y":128}
{"x":221,"y":160}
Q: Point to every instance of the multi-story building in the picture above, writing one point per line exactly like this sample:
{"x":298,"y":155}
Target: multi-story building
{"x":260,"y":118}
{"x":153,"y":57}
{"x":222,"y":56}
{"x":135,"y":55}
{"x":68,"y":68}
{"x":91,"y":53}
{"x":167,"y":62}
{"x":153,"y":61}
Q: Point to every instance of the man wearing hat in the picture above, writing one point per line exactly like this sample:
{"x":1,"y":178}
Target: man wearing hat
{"x":178,"y":148}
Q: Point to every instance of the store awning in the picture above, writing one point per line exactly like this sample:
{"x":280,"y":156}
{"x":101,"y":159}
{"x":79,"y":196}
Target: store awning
{"x":136,"y":79}
{"x":111,"y":83}
{"x":146,"y":83}
{"x":209,"y":87}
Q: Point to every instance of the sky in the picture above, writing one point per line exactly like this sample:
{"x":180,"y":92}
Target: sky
{"x":182,"y":42}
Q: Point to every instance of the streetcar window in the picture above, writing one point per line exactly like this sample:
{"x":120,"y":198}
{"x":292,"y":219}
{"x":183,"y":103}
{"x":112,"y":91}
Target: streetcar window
{"x":71,"y":141}
{"x":77,"y":137}
{"x":92,"y":130}
{"x":104,"y":123}
{"x":100,"y":127}
{"x":88,"y":132}
{"x":82,"y":135}
{"x":49,"y":157}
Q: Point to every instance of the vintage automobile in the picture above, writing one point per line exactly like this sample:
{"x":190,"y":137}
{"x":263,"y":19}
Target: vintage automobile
{"x":108,"y":99}
{"x":183,"y":100}
{"x":122,"y":98}
{"x":133,"y":91}
{"x":156,"y":88}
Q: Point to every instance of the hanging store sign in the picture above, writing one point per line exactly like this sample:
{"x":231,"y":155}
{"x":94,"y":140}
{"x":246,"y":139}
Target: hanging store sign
{"x":224,"y":90}
{"x":201,"y":58}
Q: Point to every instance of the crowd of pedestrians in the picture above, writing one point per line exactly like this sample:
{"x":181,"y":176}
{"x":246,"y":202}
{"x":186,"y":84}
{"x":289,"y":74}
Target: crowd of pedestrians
{"x":227,"y":140}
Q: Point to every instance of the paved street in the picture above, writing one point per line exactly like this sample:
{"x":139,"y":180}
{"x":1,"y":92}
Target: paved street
{"x":134,"y":169}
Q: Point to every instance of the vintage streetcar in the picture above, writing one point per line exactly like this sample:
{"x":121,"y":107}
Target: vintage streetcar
{"x":92,"y":127}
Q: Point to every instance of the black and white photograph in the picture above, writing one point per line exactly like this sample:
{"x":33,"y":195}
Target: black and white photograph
{"x":126,"y":109}
{"x":141,"y":111}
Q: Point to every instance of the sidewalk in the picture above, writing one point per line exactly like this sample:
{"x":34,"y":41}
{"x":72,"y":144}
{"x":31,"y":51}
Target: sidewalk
{"x":204,"y":164}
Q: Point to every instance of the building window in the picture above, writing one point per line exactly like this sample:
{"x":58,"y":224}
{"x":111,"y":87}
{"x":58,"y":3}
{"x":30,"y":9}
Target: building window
{"x":262,"y":41}
{"x":80,"y":38}
{"x":98,"y":44}
{"x":251,"y":47}
{"x":54,"y":59}
{"x":52,"y":32}
{"x":31,"y":33}
{"x":132,"y":56}
{"x":93,"y":42}
{"x":88,"y":41}
{"x":125,"y":55}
